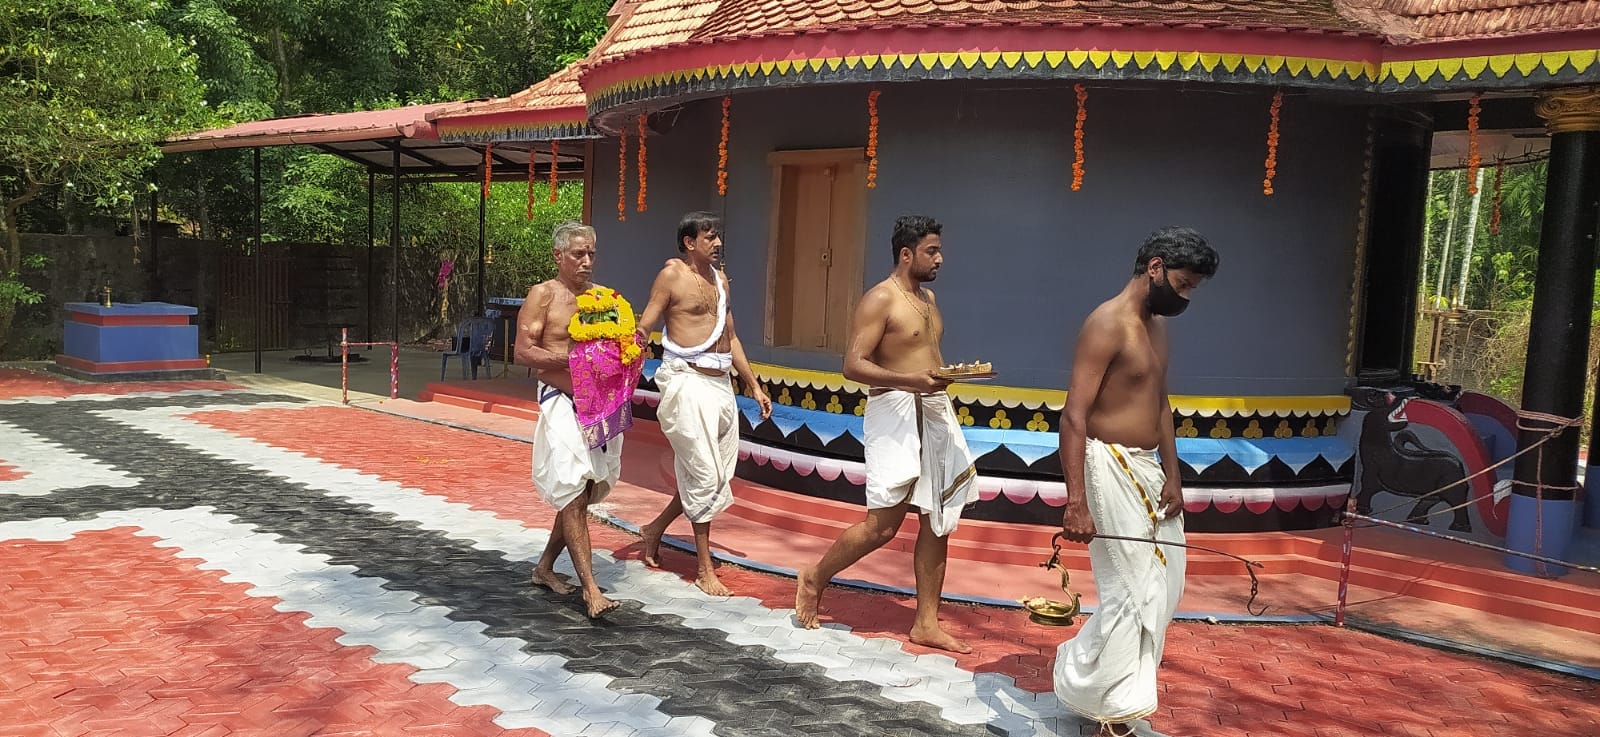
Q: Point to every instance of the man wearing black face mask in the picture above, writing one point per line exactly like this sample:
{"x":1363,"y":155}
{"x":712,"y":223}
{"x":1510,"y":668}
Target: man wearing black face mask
{"x":1116,"y":421}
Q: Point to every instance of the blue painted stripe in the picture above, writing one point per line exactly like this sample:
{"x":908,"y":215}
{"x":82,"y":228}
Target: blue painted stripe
{"x":1030,"y":446}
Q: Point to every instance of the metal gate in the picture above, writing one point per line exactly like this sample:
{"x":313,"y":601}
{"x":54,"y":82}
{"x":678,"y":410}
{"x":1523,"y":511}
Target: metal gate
{"x":236,"y":302}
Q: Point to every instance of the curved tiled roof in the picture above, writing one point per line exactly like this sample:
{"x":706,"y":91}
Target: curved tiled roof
{"x":559,"y":90}
{"x":652,"y":24}
{"x":746,"y":17}
{"x":553,"y":108}
{"x":1451,"y":20}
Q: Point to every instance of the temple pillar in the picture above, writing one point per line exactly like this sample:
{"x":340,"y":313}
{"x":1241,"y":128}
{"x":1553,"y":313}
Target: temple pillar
{"x":1396,"y":209}
{"x":1558,"y":331}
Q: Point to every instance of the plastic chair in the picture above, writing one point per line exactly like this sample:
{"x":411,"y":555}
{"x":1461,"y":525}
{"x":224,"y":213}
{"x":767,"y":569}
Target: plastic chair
{"x":471,"y":346}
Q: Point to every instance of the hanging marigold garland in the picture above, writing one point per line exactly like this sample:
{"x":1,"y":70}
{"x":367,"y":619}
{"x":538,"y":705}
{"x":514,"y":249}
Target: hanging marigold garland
{"x":722,"y":149}
{"x":622,"y":175}
{"x":643,"y":169}
{"x":1077,"y":135}
{"x":555,"y":166}
{"x":531,"y":157}
{"x":1272,"y":144}
{"x":1474,"y":157}
{"x":872,"y":139}
{"x":488,"y":168}
{"x":1499,"y":173}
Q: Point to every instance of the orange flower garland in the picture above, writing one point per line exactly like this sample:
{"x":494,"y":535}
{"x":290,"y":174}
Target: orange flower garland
{"x":1474,"y":157}
{"x":622,"y":175}
{"x":488,"y":168}
{"x":872,"y":139}
{"x":1499,"y":173}
{"x":1077,"y":136}
{"x":555,"y":166}
{"x":531,"y":157}
{"x":643,"y":170}
{"x":722,"y":150}
{"x":1272,"y":144}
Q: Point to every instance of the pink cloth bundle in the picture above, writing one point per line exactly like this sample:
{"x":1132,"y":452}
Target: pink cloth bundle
{"x":602,"y":388}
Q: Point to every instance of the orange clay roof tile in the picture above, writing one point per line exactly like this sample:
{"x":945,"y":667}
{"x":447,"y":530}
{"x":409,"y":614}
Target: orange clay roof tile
{"x":645,"y":25}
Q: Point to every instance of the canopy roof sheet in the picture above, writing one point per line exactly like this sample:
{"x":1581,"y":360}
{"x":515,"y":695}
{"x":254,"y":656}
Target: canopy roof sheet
{"x":372,"y":137}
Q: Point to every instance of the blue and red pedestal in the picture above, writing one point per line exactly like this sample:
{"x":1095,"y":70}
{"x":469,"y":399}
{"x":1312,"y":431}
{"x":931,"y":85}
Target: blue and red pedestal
{"x":131,"y":342}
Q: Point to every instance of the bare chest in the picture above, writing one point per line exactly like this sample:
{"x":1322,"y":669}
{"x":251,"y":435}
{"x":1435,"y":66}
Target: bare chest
{"x":556,"y":322}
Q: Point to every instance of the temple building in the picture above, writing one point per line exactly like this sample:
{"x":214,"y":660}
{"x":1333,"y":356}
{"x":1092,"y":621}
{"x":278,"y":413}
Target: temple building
{"x":1050,"y":137}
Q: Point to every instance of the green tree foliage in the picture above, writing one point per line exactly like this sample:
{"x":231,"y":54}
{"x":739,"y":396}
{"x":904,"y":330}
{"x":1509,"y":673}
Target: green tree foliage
{"x":1500,"y":274}
{"x":87,"y":87}
{"x":261,"y":58}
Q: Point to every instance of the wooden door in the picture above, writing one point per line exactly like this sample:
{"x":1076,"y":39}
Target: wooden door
{"x":814,"y":262}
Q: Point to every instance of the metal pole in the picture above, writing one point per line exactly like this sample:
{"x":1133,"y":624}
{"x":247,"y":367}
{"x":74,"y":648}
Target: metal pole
{"x":1344,"y":560}
{"x":372,"y":235}
{"x":394,"y":249}
{"x":344,"y":365}
{"x":394,"y":370}
{"x":482,"y":241}
{"x":155,"y":253}
{"x":260,"y":276}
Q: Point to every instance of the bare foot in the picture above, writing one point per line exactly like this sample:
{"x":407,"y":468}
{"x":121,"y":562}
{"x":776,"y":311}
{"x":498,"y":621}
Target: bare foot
{"x":936,"y":637}
{"x":598,"y":603}
{"x":652,"y":545}
{"x":709,"y":583}
{"x":807,"y":598}
{"x":556,"y":582}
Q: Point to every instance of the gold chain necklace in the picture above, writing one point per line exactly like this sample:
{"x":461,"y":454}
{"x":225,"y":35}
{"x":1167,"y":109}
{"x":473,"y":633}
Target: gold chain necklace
{"x":700,"y":282}
{"x":927,"y":319}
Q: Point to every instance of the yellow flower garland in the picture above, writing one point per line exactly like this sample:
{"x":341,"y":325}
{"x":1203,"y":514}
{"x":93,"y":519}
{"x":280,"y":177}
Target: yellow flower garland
{"x":609,"y":317}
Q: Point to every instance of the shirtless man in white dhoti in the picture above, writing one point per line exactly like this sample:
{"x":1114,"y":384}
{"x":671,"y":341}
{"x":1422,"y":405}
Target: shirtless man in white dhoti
{"x":916,"y":455}
{"x":1116,"y":420}
{"x":697,"y":413}
{"x":568,"y":474}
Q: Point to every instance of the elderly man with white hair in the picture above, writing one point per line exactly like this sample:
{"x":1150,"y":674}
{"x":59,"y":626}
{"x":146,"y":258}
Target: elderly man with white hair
{"x":568,"y":474}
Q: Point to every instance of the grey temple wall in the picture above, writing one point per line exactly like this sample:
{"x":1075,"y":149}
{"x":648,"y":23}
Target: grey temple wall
{"x":1026,"y":257}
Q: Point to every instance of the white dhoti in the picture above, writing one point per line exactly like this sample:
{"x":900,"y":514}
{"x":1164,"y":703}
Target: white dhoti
{"x":915,"y":449}
{"x":1108,"y":672}
{"x":700,"y":417}
{"x":563,"y":462}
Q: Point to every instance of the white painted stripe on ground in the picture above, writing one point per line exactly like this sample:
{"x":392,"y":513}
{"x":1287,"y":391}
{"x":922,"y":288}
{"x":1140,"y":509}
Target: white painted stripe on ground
{"x":133,"y":395}
{"x":529,"y":690}
{"x":962,"y":696}
{"x":49,"y":466}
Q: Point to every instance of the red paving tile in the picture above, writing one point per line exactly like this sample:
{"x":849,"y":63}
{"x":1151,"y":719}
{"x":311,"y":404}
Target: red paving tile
{"x":108,"y":634}
{"x":22,"y":383}
{"x":10,"y":473}
{"x":1217,"y":680}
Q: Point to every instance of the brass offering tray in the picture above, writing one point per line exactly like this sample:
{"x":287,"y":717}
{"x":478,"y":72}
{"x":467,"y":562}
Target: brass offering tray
{"x":974,"y":371}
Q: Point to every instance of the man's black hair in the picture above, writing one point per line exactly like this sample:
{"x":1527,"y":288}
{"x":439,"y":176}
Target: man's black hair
{"x":1178,"y":248}
{"x":695,"y":223}
{"x":909,"y":230}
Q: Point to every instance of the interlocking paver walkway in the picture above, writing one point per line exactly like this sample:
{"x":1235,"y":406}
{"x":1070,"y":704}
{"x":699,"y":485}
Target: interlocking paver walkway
{"x":215,"y":561}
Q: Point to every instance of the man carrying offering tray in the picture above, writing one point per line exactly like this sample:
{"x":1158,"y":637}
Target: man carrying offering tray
{"x":916,"y":455}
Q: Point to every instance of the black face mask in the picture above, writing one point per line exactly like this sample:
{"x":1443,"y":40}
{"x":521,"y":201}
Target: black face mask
{"x":1164,"y":300}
